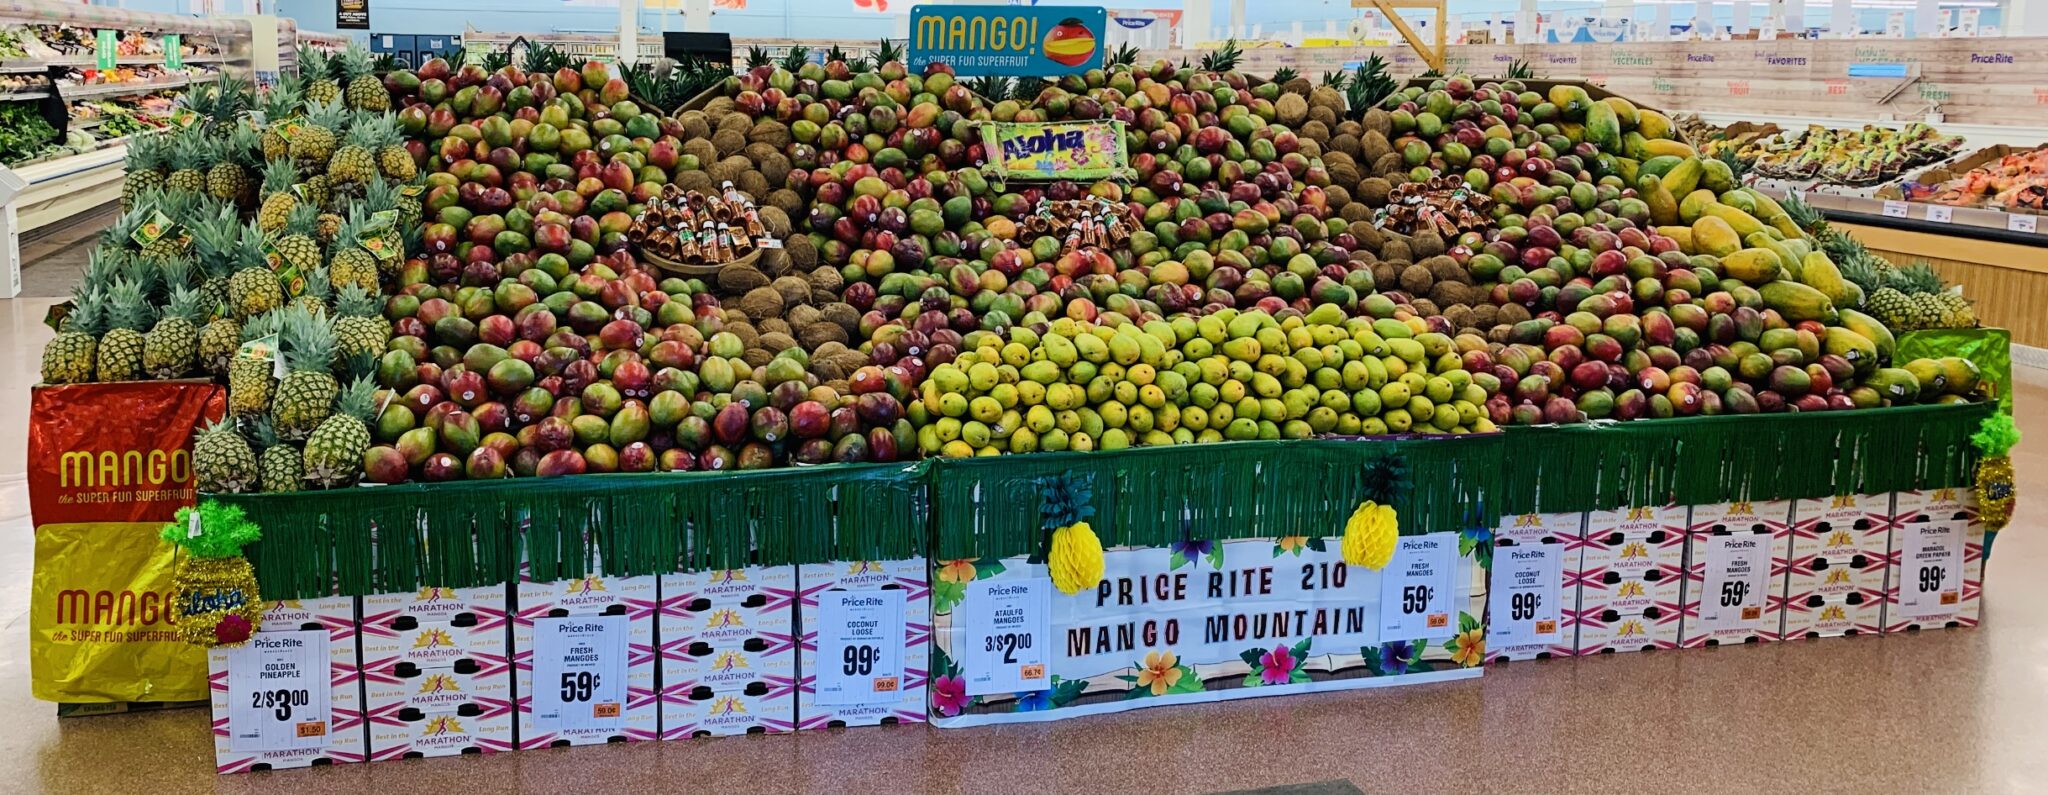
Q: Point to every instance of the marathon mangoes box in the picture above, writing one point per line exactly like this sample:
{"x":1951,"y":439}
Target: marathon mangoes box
{"x":634,"y":597}
{"x":1837,"y":579}
{"x":1936,"y":561}
{"x":699,"y":711}
{"x":336,"y":615}
{"x":470,"y":621}
{"x":1630,"y":580}
{"x":1736,"y":559}
{"x":913,"y":578}
{"x":1532,"y":598}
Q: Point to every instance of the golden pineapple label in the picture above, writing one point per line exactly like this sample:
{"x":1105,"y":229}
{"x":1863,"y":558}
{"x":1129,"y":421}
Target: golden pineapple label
{"x":153,"y":229}
{"x":411,"y":191}
{"x":184,"y":117}
{"x":287,"y":129}
{"x":287,"y":274}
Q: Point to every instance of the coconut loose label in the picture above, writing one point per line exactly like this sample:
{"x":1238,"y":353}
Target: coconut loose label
{"x":1007,"y":40}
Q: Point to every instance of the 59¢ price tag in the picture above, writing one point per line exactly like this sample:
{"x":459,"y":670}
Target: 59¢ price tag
{"x":1415,"y":588}
{"x":579,"y":673}
{"x":860,"y":647}
{"x":1738,"y":572}
{"x":1524,"y":594}
{"x":1009,"y":636}
{"x":277,"y":692}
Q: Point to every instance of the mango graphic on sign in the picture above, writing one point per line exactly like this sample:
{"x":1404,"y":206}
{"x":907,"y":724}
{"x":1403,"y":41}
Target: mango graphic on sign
{"x":729,"y":661}
{"x":1634,"y":549}
{"x":1629,"y":629}
{"x":1631,"y":588}
{"x":431,"y":594}
{"x":1070,"y":43}
{"x":728,"y":705}
{"x":433,"y":638}
{"x":439,"y":683}
{"x":586,"y":585}
{"x":442,"y":725}
{"x":725,"y":618}
{"x":1833,"y":613}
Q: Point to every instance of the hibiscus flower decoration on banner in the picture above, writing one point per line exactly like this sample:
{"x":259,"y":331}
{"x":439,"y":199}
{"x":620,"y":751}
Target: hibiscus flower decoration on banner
{"x":1280,"y":665}
{"x":870,"y":5}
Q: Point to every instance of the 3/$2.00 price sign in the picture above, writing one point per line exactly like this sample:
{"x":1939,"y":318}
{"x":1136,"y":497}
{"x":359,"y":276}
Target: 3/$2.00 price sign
{"x":277,"y":692}
{"x":1415,"y":588}
{"x":579,"y":673}
{"x":1009,"y":623}
{"x":860,"y":647}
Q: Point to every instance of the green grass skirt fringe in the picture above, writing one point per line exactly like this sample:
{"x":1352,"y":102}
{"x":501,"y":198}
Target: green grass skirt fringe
{"x":399,"y":538}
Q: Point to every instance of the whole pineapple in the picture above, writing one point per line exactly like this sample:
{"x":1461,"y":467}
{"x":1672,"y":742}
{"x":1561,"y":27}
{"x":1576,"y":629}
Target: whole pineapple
{"x":278,"y":199}
{"x":145,"y":165}
{"x":334,"y":451}
{"x":120,"y":348}
{"x":316,"y":71}
{"x":298,"y":247}
{"x":171,"y":348}
{"x":324,"y":124}
{"x":222,"y":460}
{"x":319,"y":292}
{"x":355,"y":162}
{"x":280,"y":104}
{"x":350,"y":262}
{"x":393,"y":159}
{"x":228,"y":180}
{"x":365,"y":91}
{"x":327,"y":228}
{"x":359,"y":328}
{"x":218,"y":340}
{"x":192,"y":154}
{"x":69,"y":357}
{"x":305,"y":396}
{"x":317,"y":191}
{"x":280,"y":467}
{"x":250,"y":367}
{"x":410,"y":211}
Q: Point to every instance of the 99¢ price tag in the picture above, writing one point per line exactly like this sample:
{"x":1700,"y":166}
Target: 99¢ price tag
{"x":1931,"y":576}
{"x":579,"y":673}
{"x":1415,"y":588}
{"x":1008,"y":637}
{"x":860,"y":647}
{"x":1524,"y":593}
{"x":277,"y":692}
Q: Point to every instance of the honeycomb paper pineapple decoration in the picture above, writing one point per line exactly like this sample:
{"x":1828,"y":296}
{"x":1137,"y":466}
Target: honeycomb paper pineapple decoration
{"x":1073,"y":554}
{"x":1373,"y":530}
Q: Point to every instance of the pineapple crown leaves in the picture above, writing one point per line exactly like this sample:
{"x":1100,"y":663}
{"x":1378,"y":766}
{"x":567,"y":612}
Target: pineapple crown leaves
{"x":223,"y":529}
{"x":117,"y":234}
{"x":303,"y":220}
{"x":886,"y":51}
{"x":282,"y":101}
{"x":355,"y":61}
{"x":263,"y":432}
{"x":835,"y":54}
{"x":173,"y":274}
{"x":1385,"y":479}
{"x":1519,"y":69}
{"x":1126,"y":55}
{"x":757,"y":55}
{"x":1064,"y":500}
{"x":186,"y":303}
{"x":318,"y":287}
{"x":215,"y":240}
{"x":358,"y":399}
{"x":308,"y":341}
{"x":90,"y":314}
{"x":130,"y":307}
{"x":144,"y":275}
{"x":355,"y":301}
{"x":363,"y":131}
{"x":1996,"y":436}
{"x":330,"y":114}
{"x":1222,"y":59}
{"x":1285,"y":74}
{"x":247,"y":250}
{"x":1336,"y":80}
{"x":190,"y":151}
{"x":313,"y":63}
{"x":1027,"y":89}
{"x":263,"y":325}
{"x":796,"y":58}
{"x":279,"y":176}
{"x":379,"y":195}
{"x":144,"y":154}
{"x":358,"y":365}
{"x":243,"y":147}
{"x":105,"y":264}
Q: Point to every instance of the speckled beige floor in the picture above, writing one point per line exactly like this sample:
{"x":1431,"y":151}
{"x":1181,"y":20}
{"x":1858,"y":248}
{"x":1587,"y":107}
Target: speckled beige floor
{"x":1946,"y":712}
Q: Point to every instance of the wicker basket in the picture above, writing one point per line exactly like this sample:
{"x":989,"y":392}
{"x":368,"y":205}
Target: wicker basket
{"x":680,"y":269}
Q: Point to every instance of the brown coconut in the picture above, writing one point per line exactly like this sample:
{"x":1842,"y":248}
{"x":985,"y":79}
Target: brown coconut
{"x":1415,"y":279}
{"x":774,"y":262}
{"x":738,"y":122}
{"x":1387,"y":274}
{"x":762,"y":302}
{"x":776,"y":168}
{"x":803,"y":315}
{"x":841,"y":315}
{"x":1445,"y":269}
{"x":802,"y":255}
{"x":1512,"y":314}
{"x":1346,"y":143}
{"x":1354,"y":212}
{"x":1350,"y":127}
{"x":771,"y":132}
{"x":752,"y":183}
{"x":1379,"y":121}
{"x":1448,"y":293}
{"x":1396,"y":247}
{"x":695,"y":125}
{"x":1291,"y":109}
{"x":1323,"y":116}
{"x":745,"y":331}
{"x":1459,"y":315}
{"x":1315,"y":130}
{"x":1484,"y":315}
{"x":777,"y":341}
{"x":1338,"y":196}
{"x":1373,"y":191}
{"x":827,"y":278}
{"x":728,"y":141}
{"x":1309,"y":148}
{"x":740,"y":277}
{"x":694,"y":181}
{"x":704,"y":150}
{"x":773,"y":325}
{"x":1427,"y":243}
{"x":1424,"y":307}
{"x":757,"y":151}
{"x":786,"y":200}
{"x":1369,"y":237}
{"x":819,"y":334}
{"x":718,"y":108}
{"x":775,"y":221}
{"x":1344,"y":173}
{"x":827,"y":349}
{"x":794,"y":289}
{"x":757,"y":357}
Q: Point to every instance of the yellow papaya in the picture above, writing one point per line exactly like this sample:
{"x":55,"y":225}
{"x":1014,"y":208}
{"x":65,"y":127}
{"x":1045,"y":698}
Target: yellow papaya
{"x":1871,"y":329}
{"x":1663,"y":206}
{"x":1820,"y":273}
{"x":1752,"y":266}
{"x":1788,"y":259}
{"x":1739,"y":200}
{"x":1743,"y":223}
{"x":1632,"y":145}
{"x":1860,"y":351}
{"x":1693,"y":205}
{"x":1653,"y":147}
{"x":1627,"y":168}
{"x":1799,"y":246}
{"x":1681,"y":234}
{"x":1570,"y":100}
{"x":1716,"y":176}
{"x":1796,"y":302}
{"x":1603,"y":128}
{"x":1713,"y":236}
{"x":1660,"y":165}
{"x":1624,"y":112}
{"x":1683,"y":178}
{"x":1652,"y":125}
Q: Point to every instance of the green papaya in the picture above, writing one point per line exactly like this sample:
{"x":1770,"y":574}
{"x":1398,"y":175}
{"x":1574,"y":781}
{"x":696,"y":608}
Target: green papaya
{"x":1693,"y":205}
{"x":1896,"y":384}
{"x":1739,"y":200}
{"x":1796,"y":302}
{"x":1743,"y":223}
{"x":1858,"y":349}
{"x":1660,"y":165}
{"x":1603,"y":128}
{"x":1872,"y":330}
{"x":1716,"y":176}
{"x":1786,"y":257}
{"x":1663,"y":206}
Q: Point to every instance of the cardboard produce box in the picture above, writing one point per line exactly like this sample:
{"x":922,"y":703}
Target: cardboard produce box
{"x":1837,"y":580}
{"x":1737,"y":560}
{"x":1629,"y":580}
{"x":1532,"y":601}
{"x":1937,"y":561}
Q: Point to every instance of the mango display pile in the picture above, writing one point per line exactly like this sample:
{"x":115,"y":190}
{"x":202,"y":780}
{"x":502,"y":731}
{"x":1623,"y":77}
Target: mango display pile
{"x":1284,"y":263}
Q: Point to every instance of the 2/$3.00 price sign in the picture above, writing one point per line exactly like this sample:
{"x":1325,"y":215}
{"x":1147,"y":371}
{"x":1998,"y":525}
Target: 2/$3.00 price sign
{"x":860,"y":647}
{"x":579,"y":673}
{"x":277,"y":692}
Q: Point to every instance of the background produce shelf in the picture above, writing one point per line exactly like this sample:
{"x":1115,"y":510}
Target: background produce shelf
{"x":398,"y":538}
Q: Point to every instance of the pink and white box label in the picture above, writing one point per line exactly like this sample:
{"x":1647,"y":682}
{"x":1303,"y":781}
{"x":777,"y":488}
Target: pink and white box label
{"x":1736,"y":564}
{"x":728,"y":651}
{"x":291,"y":696}
{"x":1629,"y":580}
{"x":867,"y":642}
{"x":1936,"y":560}
{"x":1532,"y":601}
{"x":1837,"y":579}
{"x":583,"y":658}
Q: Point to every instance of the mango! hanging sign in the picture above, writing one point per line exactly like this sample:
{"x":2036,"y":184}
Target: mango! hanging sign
{"x":1017,"y":41}
{"x":1067,"y":150}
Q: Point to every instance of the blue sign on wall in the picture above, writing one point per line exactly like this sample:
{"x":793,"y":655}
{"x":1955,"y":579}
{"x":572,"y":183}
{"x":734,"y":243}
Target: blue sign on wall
{"x":1007,"y":40}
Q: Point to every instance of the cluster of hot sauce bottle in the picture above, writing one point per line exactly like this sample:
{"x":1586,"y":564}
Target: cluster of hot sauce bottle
{"x":698,"y":229}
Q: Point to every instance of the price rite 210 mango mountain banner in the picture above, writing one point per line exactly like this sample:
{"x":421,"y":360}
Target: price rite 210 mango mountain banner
{"x":1007,"y":40}
{"x":1202,"y":621}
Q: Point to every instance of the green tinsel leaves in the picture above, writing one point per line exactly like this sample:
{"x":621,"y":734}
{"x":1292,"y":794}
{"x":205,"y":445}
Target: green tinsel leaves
{"x":1997,"y":435}
{"x":223,"y":530}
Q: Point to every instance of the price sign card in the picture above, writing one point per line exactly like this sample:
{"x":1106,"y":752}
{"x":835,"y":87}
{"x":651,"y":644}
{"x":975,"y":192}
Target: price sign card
{"x":1415,"y":588}
{"x":1932,"y":583}
{"x":1941,"y":213}
{"x":2019,"y":223}
{"x":1525,"y":586}
{"x":1894,"y":209}
{"x":277,"y":692}
{"x":1738,"y":576}
{"x":579,"y":673}
{"x":1009,"y":636}
{"x":860,"y":647}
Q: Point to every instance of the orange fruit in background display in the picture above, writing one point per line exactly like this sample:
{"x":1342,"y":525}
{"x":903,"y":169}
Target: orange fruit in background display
{"x":1070,"y":43}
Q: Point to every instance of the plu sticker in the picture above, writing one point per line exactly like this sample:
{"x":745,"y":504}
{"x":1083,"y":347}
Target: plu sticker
{"x":262,"y":348}
{"x":287,"y":128}
{"x":183,"y":117}
{"x":153,"y":229}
